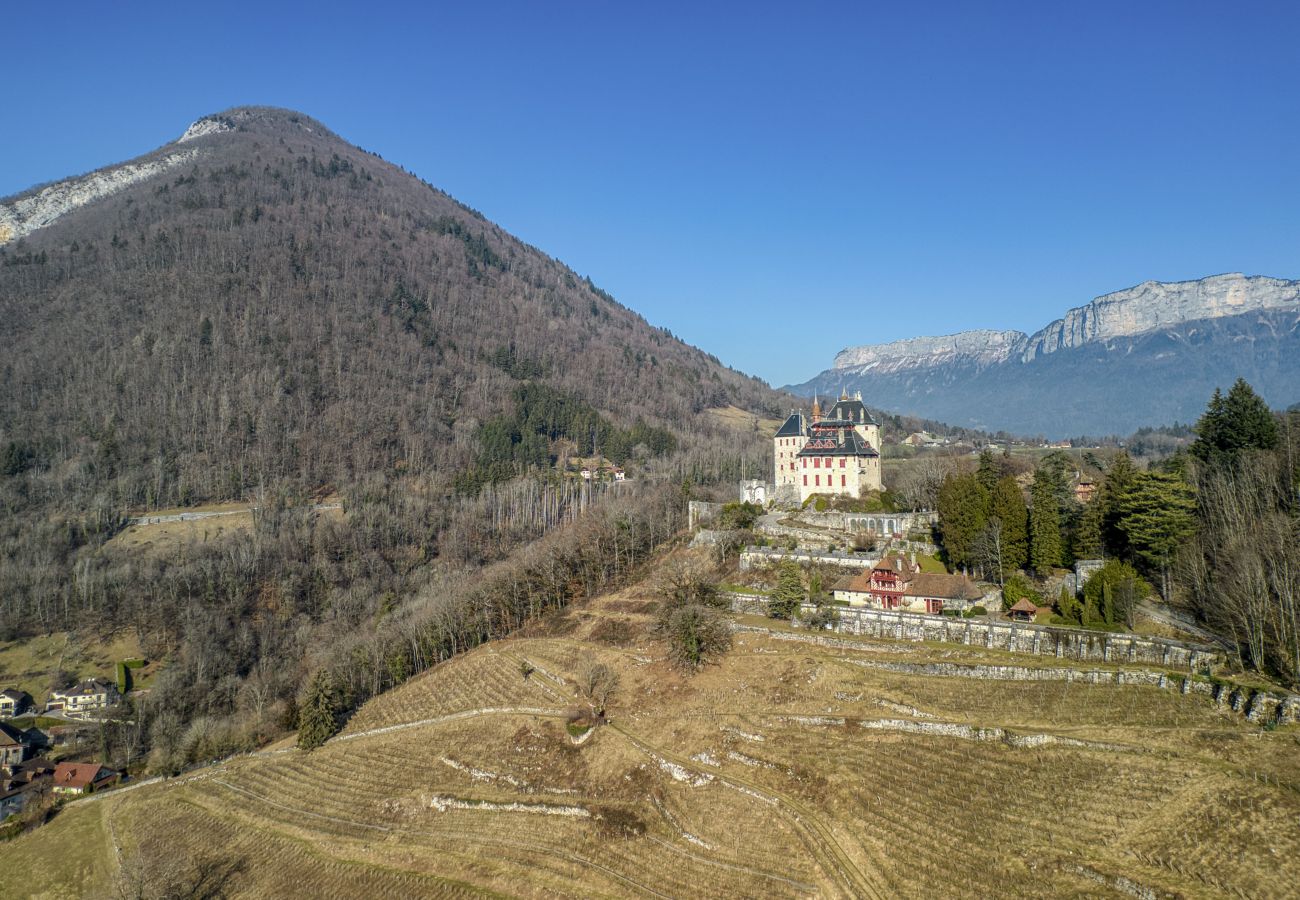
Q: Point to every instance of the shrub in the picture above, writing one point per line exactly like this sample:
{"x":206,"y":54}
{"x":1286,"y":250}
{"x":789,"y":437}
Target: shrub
{"x":975,"y":611}
{"x":739,"y":516}
{"x":695,"y":633}
{"x":1018,"y":588}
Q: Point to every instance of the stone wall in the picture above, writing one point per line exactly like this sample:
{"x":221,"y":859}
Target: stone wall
{"x":701,"y":512}
{"x":1017,"y":637}
{"x":1259,"y":707}
{"x":755,"y":557}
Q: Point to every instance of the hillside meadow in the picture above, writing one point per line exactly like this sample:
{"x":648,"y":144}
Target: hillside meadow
{"x":794,"y":766}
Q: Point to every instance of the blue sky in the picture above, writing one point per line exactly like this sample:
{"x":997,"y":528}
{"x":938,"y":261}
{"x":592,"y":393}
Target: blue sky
{"x":874,"y":170}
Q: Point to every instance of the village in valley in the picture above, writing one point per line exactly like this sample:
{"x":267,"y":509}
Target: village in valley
{"x":52,"y":749}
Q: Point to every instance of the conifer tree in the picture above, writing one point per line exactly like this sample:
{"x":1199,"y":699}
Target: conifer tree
{"x":319,"y":711}
{"x":1232,"y":424}
{"x":1008,"y":506}
{"x":789,"y":593}
{"x":1044,"y":525}
{"x":963,"y":516}
{"x":1157,"y":515}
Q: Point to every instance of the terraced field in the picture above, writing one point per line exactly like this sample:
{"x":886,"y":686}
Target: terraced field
{"x":793,"y":768}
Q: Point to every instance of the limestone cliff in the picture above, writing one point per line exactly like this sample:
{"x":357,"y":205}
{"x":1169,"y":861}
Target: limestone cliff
{"x":1153,"y":305}
{"x":982,"y":347}
{"x":45,"y":205}
{"x":1148,"y":355}
{"x":1148,"y":307}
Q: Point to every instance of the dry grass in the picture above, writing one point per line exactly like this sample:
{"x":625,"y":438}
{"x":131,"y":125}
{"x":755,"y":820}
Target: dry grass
{"x":788,"y":769}
{"x":738,"y":419}
{"x":32,"y":663}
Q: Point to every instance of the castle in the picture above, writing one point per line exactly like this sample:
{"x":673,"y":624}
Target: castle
{"x":837,"y":454}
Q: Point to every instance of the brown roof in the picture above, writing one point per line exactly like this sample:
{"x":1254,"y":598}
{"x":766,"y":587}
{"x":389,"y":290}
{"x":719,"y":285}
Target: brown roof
{"x":1023,"y":605}
{"x":78,"y":775}
{"x":10,"y":735}
{"x":944,"y":587}
{"x":860,"y":583}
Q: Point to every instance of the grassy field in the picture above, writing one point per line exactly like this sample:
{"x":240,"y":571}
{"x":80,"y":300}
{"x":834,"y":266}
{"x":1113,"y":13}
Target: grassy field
{"x":32,"y":663}
{"x":735,"y":418}
{"x":792,"y":768}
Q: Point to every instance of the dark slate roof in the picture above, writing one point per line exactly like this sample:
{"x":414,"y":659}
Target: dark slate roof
{"x":853,"y":411}
{"x":828,"y":444}
{"x":793,"y":427}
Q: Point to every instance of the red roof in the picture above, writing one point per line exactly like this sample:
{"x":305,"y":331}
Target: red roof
{"x":1023,"y":605}
{"x":78,"y":776}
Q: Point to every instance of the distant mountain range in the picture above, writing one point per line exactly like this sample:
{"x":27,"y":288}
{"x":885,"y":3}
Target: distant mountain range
{"x":1148,"y":355}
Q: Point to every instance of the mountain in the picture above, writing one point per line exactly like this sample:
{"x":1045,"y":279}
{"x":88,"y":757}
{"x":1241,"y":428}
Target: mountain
{"x":260,"y":314}
{"x":261,"y":302}
{"x":1149,"y":354}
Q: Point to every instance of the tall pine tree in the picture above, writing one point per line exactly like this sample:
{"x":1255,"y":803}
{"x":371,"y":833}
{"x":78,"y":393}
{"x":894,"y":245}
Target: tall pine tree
{"x":1044,"y":524}
{"x":1008,"y":507}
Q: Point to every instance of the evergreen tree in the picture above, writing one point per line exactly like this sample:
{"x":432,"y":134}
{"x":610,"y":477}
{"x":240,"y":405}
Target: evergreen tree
{"x":989,"y":471}
{"x":1111,"y":593}
{"x":1158,"y":514}
{"x":1067,"y":607}
{"x":319,"y":712}
{"x":1044,"y":525}
{"x":1110,"y":500}
{"x":1008,"y":506}
{"x":1232,"y":424}
{"x":789,"y":593}
{"x":963,"y":516}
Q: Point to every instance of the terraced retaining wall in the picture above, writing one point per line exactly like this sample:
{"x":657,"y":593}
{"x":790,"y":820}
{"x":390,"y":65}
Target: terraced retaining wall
{"x":1016,"y":637}
{"x":1261,"y":707}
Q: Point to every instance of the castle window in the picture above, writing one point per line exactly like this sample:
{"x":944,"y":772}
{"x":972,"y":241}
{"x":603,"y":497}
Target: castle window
{"x":817,"y":463}
{"x":842,"y":482}
{"x":817,"y":481}
{"x":805,"y":481}
{"x":842,"y":462}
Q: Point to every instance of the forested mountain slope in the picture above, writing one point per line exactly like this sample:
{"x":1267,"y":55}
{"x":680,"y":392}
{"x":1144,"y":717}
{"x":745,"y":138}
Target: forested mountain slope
{"x":274,"y":303}
{"x":262,"y":312}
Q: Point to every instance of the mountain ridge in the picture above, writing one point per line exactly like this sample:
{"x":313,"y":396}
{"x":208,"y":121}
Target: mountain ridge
{"x":1097,"y":320}
{"x":1160,"y":346}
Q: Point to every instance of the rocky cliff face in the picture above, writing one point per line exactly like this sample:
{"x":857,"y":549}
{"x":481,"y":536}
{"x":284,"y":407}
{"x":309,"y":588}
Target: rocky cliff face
{"x":42,"y":207}
{"x":1153,"y":305}
{"x":1148,"y":355}
{"x":1150,"y":306}
{"x":977,"y":347}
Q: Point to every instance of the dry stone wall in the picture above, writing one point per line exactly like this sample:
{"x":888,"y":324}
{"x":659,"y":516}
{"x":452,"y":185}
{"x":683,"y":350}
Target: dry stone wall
{"x":1260,"y":707}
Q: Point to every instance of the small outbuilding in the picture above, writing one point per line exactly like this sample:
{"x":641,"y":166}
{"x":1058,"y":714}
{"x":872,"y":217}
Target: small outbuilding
{"x":1023,"y":611}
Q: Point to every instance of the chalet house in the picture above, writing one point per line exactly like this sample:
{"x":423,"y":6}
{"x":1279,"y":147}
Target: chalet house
{"x":14,"y":745}
{"x":13,"y":702}
{"x":897,"y":583}
{"x":23,"y":782}
{"x":935,"y":593}
{"x":82,"y":778}
{"x":93,"y":693}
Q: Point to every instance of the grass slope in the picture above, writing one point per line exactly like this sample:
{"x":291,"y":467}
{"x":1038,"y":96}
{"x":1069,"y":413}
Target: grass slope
{"x":792,"y":768}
